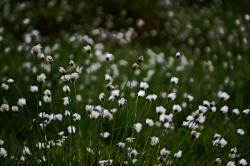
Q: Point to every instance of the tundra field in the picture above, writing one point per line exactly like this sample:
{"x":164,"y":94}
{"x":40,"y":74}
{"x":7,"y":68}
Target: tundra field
{"x":146,"y":82}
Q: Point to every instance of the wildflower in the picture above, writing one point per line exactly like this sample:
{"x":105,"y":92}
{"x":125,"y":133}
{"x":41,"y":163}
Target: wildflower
{"x":71,"y":63}
{"x":121,"y":102}
{"x":233,"y":152}
{"x":178,"y":154}
{"x":76,"y":117}
{"x":21,"y":102}
{"x":246,"y":111}
{"x":36,"y":50}
{"x":105,"y":134}
{"x":195,"y":134}
{"x":189,"y":97}
{"x":49,"y":59}
{"x":149,"y":122}
{"x":151,"y":97}
{"x":66,"y":113}
{"x":47,"y":99}
{"x":206,"y":103}
{"x":243,"y":162}
{"x":3,"y":152}
{"x":121,"y":145}
{"x":135,"y":66}
{"x":240,"y":131}
{"x":236,"y":111}
{"x":224,"y":109}
{"x":133,"y":153}
{"x":231,"y":163}
{"x":66,"y":89}
{"x":160,"y":110}
{"x":1,"y":142}
{"x":223,"y":95}
{"x":41,"y":78}
{"x":5,"y":86}
{"x":10,"y":81}
{"x":130,"y":139}
{"x":115,"y":93}
{"x":164,"y":153}
{"x":26,"y":150}
{"x":101,"y":96}
{"x":178,"y":55}
{"x":71,"y":129}
{"x":154,"y":140}
{"x":174,"y":80}
{"x":144,"y":85}
{"x":217,"y":161}
{"x":74,"y":76}
{"x":94,"y":114}
{"x":62,"y":70}
{"x":105,"y":162}
{"x":34,"y":89}
{"x":140,"y":59}
{"x":5,"y":107}
{"x":177,"y":108}
{"x":138,"y":127}
{"x":58,"y":117}
{"x":171,"y":96}
{"x":66,"y":100}
{"x":108,"y":56}
{"x":87,"y":49}
{"x":141,"y":93}
{"x":107,"y":114}
{"x":108,"y":78}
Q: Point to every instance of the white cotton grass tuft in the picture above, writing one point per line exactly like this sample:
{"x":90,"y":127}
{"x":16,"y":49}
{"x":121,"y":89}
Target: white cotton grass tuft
{"x":178,"y":154}
{"x":138,"y":127}
{"x":240,"y":131}
{"x":3,"y":153}
{"x":174,"y":80}
{"x":21,"y":102}
{"x":154,"y":141}
{"x":71,"y":129}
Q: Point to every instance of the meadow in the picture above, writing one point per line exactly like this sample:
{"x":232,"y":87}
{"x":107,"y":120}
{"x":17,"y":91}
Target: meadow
{"x":118,"y":83}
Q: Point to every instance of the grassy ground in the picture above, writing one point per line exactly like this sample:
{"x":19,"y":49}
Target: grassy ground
{"x":213,"y":40}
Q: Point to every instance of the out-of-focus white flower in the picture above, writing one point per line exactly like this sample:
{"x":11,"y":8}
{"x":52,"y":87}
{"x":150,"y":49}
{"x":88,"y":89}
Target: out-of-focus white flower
{"x":1,"y":142}
{"x":144,"y":85}
{"x":87,"y":49}
{"x":174,"y":80}
{"x":231,"y":163}
{"x":101,"y":96}
{"x":3,"y":152}
{"x":58,"y":117}
{"x":177,"y":108}
{"x":10,"y":81}
{"x":122,"y":101}
{"x":21,"y":102}
{"x":41,"y":78}
{"x":195,"y":134}
{"x":66,"y":89}
{"x":138,"y":127}
{"x":109,"y":56}
{"x":236,"y":111}
{"x":151,"y":97}
{"x":121,"y":145}
{"x":217,"y":161}
{"x":161,"y":110}
{"x":149,"y":122}
{"x":224,"y":109}
{"x":4,"y":86}
{"x":246,"y":111}
{"x":36,"y":50}
{"x":133,"y":153}
{"x":223,"y":95}
{"x":141,"y":93}
{"x":115,"y":93}
{"x":66,"y":113}
{"x":154,"y":140}
{"x":105,"y":162}
{"x":178,"y":55}
{"x":34,"y":88}
{"x":240,"y":131}
{"x":71,"y":129}
{"x":178,"y":154}
{"x":171,"y":96}
{"x":105,"y":134}
{"x":243,"y":162}
{"x":66,"y":100}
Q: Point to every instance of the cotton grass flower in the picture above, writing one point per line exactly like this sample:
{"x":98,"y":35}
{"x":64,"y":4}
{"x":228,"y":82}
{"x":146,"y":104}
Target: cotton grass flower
{"x":174,"y":80}
{"x":240,"y":131}
{"x":21,"y":102}
{"x":178,"y":154}
{"x":243,"y":162}
{"x":138,"y":127}
{"x":3,"y":153}
{"x":154,"y":141}
{"x":71,"y":129}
